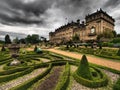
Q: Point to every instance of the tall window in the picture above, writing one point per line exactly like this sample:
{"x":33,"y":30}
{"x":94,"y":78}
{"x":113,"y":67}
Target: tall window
{"x":93,"y":30}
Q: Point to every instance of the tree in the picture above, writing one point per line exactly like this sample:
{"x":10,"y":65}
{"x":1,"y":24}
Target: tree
{"x":28,"y":39}
{"x":23,"y":41}
{"x":32,"y":39}
{"x":16,"y":40}
{"x":107,"y":34}
{"x":3,"y":48}
{"x":75,"y":38}
{"x":7,"y":39}
{"x":114,"y":33}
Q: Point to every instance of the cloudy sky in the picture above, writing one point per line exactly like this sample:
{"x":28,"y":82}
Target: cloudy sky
{"x":22,"y":17}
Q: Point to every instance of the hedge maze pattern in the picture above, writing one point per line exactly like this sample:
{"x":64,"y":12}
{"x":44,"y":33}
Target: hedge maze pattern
{"x":46,"y":71}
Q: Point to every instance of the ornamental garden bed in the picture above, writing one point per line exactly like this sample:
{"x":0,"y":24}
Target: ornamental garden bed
{"x":50,"y":71}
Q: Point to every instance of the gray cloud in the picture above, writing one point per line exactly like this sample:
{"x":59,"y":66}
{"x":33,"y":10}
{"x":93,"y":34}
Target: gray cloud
{"x":112,"y":3}
{"x":50,"y":14}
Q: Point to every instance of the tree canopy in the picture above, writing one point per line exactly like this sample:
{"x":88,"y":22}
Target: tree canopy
{"x":7,"y":39}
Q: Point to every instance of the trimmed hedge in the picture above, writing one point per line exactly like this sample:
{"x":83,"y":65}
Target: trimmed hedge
{"x":5,"y":61}
{"x":92,"y":83}
{"x":117,"y":85}
{"x":27,"y":84}
{"x":10,"y":71}
{"x":64,"y":79}
{"x":83,"y":69}
{"x":15,"y":75}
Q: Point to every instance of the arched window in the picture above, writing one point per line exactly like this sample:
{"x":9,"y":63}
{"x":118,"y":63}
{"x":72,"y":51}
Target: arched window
{"x":92,"y":30}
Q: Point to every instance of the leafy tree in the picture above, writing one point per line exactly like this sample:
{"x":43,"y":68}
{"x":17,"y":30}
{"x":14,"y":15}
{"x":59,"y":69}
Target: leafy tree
{"x":23,"y":41}
{"x":28,"y":39}
{"x":35,"y":38}
{"x":35,"y":49}
{"x":32,"y":39}
{"x":114,"y":33}
{"x":108,"y":34}
{"x":116,"y":40}
{"x":7,"y":39}
{"x":83,"y":69}
{"x":3,"y":48}
{"x":16,"y":40}
{"x":118,"y":35}
{"x":75,"y":38}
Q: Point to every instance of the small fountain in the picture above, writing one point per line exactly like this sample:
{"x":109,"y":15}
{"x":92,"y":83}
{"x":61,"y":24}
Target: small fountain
{"x":14,"y":49}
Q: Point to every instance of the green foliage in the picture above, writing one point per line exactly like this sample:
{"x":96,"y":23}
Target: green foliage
{"x":3,"y":48}
{"x":7,"y":39}
{"x":11,"y":71}
{"x":116,"y":40}
{"x":27,"y":84}
{"x":106,"y":34}
{"x":103,"y":81}
{"x":6,"y":78}
{"x":83,"y":69}
{"x":118,"y":53}
{"x":117,"y":85}
{"x":32,"y":39}
{"x":75,"y":38}
{"x":107,"y":44}
{"x":64,"y":79}
{"x":35,"y":49}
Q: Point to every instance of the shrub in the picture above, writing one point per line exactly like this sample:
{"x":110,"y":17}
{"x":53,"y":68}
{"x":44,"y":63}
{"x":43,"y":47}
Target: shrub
{"x":118,"y":53}
{"x":35,"y":49}
{"x":10,"y":71}
{"x":83,"y":69}
{"x":91,"y":83}
{"x":15,"y":75}
{"x":117,"y":85}
{"x":3,"y":48}
{"x":64,"y":79}
{"x":27,"y":84}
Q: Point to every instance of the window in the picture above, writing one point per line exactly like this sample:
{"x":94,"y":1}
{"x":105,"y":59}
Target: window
{"x":92,"y":30}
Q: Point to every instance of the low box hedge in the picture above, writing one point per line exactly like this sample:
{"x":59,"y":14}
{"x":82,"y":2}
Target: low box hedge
{"x":10,"y":71}
{"x":116,"y":86}
{"x":92,"y":83}
{"x":64,"y":79}
{"x":15,"y":75}
{"x":27,"y":84}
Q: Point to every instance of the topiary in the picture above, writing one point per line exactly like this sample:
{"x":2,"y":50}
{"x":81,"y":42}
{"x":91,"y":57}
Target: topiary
{"x":35,"y":49}
{"x":118,"y":53}
{"x":83,"y":69}
{"x":39,"y":50}
{"x":3,"y":48}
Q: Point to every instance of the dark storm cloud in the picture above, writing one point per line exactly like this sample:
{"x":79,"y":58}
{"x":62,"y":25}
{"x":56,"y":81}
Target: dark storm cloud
{"x":17,"y":11}
{"x":48,"y":13}
{"x":112,"y":3}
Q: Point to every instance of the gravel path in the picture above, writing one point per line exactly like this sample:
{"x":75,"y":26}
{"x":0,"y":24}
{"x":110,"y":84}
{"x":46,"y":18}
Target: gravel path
{"x":91,"y":59}
{"x":50,"y":82}
{"x":113,"y":77}
{"x":13,"y":83}
{"x":44,"y":60}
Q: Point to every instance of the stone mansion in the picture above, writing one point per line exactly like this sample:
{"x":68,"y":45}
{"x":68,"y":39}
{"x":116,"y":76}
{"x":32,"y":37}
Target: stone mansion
{"x":94,"y":24}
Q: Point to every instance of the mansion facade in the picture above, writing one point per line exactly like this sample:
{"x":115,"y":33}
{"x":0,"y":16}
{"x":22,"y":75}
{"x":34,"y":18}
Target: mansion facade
{"x":94,"y":24}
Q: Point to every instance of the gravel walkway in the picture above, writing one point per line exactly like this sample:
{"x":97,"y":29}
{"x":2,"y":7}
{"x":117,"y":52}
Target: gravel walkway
{"x":44,"y":60}
{"x":50,"y":82}
{"x":113,"y":77}
{"x":21,"y":80}
{"x":91,"y":59}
